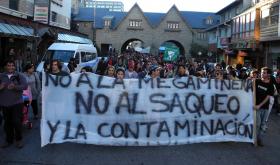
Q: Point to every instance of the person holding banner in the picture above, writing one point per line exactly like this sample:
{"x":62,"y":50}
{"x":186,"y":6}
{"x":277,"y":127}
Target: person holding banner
{"x":120,"y":73}
{"x":154,"y":72}
{"x":264,"y":89}
{"x":181,"y":71}
{"x":130,"y":72}
{"x":56,"y":68}
{"x":12,"y":84}
{"x":219,"y":75}
{"x":110,"y":72}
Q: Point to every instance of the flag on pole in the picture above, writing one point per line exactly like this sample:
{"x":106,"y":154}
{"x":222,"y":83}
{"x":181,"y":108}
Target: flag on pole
{"x":171,"y":54}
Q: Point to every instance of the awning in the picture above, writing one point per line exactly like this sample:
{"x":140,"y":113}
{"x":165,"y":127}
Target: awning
{"x":16,"y":30}
{"x":72,"y":38}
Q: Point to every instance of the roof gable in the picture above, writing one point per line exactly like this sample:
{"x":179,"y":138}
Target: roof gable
{"x":135,"y":7}
{"x":179,"y":14}
{"x":195,"y":20}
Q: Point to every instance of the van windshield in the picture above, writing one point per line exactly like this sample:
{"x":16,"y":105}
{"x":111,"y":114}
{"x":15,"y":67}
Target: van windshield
{"x":61,"y":55}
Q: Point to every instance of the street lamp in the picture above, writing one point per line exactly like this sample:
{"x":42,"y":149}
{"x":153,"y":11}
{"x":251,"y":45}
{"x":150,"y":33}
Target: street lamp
{"x":199,"y":53}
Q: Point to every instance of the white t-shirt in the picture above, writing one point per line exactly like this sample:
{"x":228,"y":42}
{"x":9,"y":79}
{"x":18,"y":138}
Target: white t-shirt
{"x":10,"y":75}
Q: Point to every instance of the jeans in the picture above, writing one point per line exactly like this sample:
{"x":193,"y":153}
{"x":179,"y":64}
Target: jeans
{"x":13,"y":122}
{"x":262,"y":115}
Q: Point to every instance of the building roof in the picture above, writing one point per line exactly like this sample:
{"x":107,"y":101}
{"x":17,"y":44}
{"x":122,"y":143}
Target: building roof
{"x":87,"y":15}
{"x":195,"y":19}
{"x":154,"y":18}
{"x":231,"y":5}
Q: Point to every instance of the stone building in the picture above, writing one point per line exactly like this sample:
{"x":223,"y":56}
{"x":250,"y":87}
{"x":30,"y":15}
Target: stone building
{"x":118,"y":29}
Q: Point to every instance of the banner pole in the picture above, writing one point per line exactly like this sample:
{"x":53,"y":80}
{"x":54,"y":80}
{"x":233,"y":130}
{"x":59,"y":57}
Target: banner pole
{"x":255,"y":114}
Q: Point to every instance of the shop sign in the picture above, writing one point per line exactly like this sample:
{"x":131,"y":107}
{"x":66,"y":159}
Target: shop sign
{"x":41,"y":11}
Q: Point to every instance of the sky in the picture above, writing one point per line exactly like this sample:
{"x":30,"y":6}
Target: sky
{"x":162,"y":6}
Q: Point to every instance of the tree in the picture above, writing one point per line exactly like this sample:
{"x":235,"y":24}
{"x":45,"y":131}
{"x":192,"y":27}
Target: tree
{"x":196,"y":48}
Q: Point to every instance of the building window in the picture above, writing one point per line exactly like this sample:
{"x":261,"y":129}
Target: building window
{"x":173,"y":25}
{"x":244,"y":26}
{"x":270,"y":16}
{"x":54,"y":16}
{"x":253,"y":17}
{"x":209,"y":21}
{"x":274,"y":15}
{"x":107,"y":23}
{"x":201,"y":36}
{"x":13,"y":4}
{"x":135,"y":23}
{"x":248,"y":24}
{"x":265,"y":17}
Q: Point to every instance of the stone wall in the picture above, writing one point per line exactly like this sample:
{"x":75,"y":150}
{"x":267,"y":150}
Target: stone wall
{"x":149,"y":35}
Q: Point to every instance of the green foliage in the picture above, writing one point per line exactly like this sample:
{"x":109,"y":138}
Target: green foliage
{"x":195,"y":48}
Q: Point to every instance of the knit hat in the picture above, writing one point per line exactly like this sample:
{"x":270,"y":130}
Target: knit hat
{"x":153,"y":68}
{"x":120,"y":69}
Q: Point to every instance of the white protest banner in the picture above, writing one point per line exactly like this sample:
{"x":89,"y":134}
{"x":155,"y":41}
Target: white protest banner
{"x":93,"y":109}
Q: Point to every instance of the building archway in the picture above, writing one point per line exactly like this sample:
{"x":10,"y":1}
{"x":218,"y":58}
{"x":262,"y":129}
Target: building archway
{"x":131,"y":44}
{"x":175,"y":44}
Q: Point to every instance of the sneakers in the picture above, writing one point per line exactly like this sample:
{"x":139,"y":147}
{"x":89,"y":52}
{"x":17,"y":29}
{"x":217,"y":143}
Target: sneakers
{"x":19,"y":144}
{"x":6,"y":145}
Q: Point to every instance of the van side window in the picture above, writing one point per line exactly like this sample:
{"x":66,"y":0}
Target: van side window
{"x":93,"y":55}
{"x":87,"y":56}
{"x":83,"y":57}
{"x":77,"y":57}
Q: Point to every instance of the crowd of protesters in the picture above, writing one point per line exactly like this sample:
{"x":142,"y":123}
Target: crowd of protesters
{"x":128,"y":65}
{"x":138,"y":65}
{"x":131,"y":64}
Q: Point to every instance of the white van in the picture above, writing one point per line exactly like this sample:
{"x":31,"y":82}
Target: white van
{"x":84,"y":54}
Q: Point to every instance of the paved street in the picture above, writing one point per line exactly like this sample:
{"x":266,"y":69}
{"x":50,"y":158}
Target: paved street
{"x":204,"y":153}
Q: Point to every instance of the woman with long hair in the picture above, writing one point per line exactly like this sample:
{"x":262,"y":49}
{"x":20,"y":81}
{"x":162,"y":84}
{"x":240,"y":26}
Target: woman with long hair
{"x":34,"y":83}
